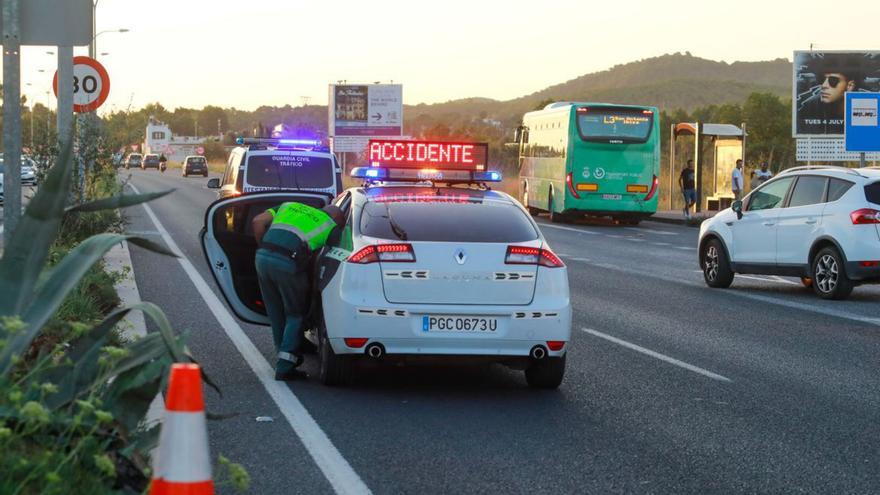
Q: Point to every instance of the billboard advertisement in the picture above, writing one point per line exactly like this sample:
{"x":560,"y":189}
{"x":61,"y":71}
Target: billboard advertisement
{"x":820,"y":82}
{"x":366,"y":110}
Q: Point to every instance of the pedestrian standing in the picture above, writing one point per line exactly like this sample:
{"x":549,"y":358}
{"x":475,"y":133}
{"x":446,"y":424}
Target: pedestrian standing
{"x":736,"y":182}
{"x":287,"y":236}
{"x":687,"y":183}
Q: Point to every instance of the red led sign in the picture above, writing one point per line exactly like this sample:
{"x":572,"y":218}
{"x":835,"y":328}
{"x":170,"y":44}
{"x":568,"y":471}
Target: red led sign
{"x":428,"y":154}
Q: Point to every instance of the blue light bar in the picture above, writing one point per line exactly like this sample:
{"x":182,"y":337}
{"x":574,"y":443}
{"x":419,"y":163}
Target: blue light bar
{"x":369,"y":173}
{"x":312,"y":143}
{"x":487,"y":176}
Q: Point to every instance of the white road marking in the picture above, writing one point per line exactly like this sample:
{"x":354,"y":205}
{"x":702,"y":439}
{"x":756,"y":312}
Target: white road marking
{"x":661,"y":243}
{"x":766,"y":279}
{"x":614,"y":236}
{"x":657,"y":355}
{"x":784,"y":281}
{"x":336,"y":469}
{"x":571,"y":229}
{"x":635,"y":239}
{"x":586,"y":260}
{"x":651,"y":231}
{"x":686,"y":248}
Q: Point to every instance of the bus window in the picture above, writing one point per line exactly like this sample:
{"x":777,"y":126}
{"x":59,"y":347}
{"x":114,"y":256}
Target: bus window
{"x":614,"y":125}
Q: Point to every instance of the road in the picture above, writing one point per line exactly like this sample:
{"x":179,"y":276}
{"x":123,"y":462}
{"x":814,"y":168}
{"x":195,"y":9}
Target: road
{"x":671,"y":387}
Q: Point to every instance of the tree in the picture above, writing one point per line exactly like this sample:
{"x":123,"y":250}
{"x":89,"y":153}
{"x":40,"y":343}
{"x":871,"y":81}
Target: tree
{"x":769,"y":128}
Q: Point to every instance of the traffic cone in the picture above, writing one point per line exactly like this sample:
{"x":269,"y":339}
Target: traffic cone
{"x":183,"y":465}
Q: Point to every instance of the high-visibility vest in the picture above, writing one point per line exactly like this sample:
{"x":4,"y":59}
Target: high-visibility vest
{"x":311,"y":225}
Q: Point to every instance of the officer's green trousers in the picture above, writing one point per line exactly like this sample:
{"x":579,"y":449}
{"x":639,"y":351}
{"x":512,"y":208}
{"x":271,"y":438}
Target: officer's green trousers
{"x":284,"y":289}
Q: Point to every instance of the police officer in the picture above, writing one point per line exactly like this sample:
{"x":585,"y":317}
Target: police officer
{"x":287,"y":235}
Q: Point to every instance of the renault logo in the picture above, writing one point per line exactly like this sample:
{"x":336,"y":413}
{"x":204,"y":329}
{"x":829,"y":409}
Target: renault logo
{"x":460,"y":256}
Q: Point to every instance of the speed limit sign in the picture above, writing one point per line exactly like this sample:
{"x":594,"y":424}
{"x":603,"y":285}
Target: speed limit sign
{"x":91,"y":84}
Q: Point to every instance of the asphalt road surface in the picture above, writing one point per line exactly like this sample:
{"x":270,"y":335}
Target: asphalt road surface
{"x":671,"y":387}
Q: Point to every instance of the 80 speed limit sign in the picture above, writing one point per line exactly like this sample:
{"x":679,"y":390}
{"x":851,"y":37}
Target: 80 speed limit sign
{"x":91,"y":84}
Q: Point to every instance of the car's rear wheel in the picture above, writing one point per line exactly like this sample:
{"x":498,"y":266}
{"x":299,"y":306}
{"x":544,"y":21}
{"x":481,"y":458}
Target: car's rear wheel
{"x":334,"y":370}
{"x":716,"y":267}
{"x":829,"y":275}
{"x":546,"y":373}
{"x":205,"y":174}
{"x":184,"y":173}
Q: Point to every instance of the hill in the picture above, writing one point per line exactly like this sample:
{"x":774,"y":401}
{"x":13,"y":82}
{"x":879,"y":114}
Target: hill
{"x":675,"y":81}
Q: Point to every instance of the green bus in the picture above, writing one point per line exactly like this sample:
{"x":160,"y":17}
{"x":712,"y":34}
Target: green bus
{"x":592,"y":159}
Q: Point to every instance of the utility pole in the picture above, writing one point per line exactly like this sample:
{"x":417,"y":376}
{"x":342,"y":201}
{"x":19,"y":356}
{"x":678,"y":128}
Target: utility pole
{"x":11,"y":117}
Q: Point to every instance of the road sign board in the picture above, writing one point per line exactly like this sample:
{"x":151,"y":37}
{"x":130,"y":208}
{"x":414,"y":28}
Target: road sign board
{"x":91,"y":84}
{"x":366,"y":110}
{"x":54,"y":22}
{"x":862,"y":127}
{"x":200,"y":150}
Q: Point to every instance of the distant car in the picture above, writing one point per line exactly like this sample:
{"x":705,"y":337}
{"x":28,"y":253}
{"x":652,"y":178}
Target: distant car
{"x":28,"y":171}
{"x":150,"y":161}
{"x":194,"y":164}
{"x":819,"y":223}
{"x":133,"y":160}
{"x":265,"y":164}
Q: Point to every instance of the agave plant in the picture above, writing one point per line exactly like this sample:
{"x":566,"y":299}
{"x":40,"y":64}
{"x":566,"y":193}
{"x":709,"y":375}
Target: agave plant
{"x":64,"y":380}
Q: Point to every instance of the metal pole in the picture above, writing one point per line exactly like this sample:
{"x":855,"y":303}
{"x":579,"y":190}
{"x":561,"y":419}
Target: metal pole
{"x":862,"y":162}
{"x":64,"y":110}
{"x":671,"y":163}
{"x":93,"y":43}
{"x":698,"y":170}
{"x":11,"y":118}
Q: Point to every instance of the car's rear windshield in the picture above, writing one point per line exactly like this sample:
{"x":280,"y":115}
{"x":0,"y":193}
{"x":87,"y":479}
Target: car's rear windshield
{"x":197,"y":160}
{"x":151,"y":158}
{"x":446,"y":220}
{"x":872,"y":192}
{"x":290,"y":171}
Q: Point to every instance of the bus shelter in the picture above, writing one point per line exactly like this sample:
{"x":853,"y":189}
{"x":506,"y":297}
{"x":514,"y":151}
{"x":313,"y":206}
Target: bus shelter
{"x":716,"y":148}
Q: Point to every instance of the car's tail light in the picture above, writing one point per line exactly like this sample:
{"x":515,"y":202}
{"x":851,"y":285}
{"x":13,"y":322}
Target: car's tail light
{"x":865,"y":216}
{"x":384,"y":252}
{"x":570,"y":183}
{"x":869,"y":264}
{"x":555,"y":345}
{"x":356,"y":342}
{"x":653,"y":190}
{"x":524,"y":255}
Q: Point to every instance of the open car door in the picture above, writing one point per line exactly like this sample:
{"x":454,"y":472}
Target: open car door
{"x":230,"y":247}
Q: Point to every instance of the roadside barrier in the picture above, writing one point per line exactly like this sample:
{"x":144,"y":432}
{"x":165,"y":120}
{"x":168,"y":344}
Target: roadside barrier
{"x":182,"y":465}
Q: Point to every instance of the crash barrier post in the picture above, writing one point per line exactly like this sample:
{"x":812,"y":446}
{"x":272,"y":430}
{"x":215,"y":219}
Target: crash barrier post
{"x":183,"y":465}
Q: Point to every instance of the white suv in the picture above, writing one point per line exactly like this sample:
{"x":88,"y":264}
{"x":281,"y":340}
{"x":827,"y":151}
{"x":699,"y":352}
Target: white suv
{"x":820,"y":223}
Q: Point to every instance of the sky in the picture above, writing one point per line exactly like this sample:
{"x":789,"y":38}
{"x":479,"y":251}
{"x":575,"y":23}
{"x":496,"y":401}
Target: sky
{"x":192,"y":53}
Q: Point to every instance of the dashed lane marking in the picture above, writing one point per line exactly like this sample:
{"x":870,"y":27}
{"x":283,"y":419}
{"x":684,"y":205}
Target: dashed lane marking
{"x":570,"y":229}
{"x":335,"y":468}
{"x":657,"y":355}
{"x":650,"y":231}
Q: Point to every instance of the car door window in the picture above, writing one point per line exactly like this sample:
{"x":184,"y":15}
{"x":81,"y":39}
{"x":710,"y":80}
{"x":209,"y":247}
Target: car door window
{"x":837,"y":188}
{"x":770,"y":195}
{"x":809,"y":190}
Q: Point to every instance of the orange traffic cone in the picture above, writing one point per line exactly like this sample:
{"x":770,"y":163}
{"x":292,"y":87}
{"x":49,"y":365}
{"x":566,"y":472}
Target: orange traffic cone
{"x":183,"y":465}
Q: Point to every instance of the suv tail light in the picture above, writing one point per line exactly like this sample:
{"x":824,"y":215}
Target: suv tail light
{"x":524,"y":255}
{"x":865,"y":216}
{"x":384,"y":252}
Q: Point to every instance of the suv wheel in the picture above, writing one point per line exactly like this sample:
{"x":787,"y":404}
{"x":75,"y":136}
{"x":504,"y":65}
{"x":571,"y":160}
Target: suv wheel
{"x":829,"y":275}
{"x":716,"y":268}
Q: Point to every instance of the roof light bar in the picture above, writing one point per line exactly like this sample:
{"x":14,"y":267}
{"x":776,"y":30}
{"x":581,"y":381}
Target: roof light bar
{"x":416,"y":175}
{"x":279,"y":142}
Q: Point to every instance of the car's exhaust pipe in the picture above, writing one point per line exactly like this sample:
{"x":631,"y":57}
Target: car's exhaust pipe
{"x":538,"y":352}
{"x":375,"y":350}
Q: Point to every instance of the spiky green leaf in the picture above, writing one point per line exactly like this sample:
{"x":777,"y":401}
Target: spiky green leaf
{"x":118,"y":201}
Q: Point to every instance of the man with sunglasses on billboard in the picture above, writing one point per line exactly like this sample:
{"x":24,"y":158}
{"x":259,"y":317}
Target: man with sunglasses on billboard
{"x":822,"y":111}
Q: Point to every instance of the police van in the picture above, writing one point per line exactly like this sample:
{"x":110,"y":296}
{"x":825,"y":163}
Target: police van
{"x":270,"y":164}
{"x":430,"y":264}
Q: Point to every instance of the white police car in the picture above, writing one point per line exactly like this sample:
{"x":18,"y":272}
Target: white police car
{"x":430,"y":264}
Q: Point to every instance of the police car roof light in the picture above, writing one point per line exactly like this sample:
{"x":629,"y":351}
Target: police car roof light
{"x":309,"y":143}
{"x":408,"y":175}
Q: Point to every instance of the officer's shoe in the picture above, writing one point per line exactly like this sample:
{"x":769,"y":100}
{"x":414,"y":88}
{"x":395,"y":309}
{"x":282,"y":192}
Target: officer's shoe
{"x":290,"y":375}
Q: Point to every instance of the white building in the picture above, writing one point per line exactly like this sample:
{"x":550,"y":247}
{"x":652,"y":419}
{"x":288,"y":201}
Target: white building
{"x":158,"y":139}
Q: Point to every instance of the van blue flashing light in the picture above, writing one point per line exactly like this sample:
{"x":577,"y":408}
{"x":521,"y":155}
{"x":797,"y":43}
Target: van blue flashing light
{"x":305,"y":143}
{"x":369,"y":173}
{"x":487,"y":176}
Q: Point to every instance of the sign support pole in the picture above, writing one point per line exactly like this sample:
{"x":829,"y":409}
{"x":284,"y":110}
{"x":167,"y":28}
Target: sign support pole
{"x":65,"y":95}
{"x":862,"y":162}
{"x":11,"y":117}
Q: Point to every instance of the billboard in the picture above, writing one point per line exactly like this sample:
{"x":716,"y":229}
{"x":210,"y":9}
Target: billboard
{"x":366,"y":110}
{"x":820,"y":83}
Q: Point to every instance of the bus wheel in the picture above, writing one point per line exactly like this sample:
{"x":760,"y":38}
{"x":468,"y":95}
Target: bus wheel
{"x":525,"y":201}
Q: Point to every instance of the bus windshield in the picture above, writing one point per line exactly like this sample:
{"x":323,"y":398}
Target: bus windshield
{"x":614,"y":125}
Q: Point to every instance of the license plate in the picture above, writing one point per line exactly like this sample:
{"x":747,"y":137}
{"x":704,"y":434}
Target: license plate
{"x":612,"y":196}
{"x":467,"y":324}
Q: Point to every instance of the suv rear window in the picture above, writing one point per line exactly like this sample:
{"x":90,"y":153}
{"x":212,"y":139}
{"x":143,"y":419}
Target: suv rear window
{"x":440,"y":221}
{"x":872,"y":192}
{"x":289,"y":171}
{"x":196,"y":160}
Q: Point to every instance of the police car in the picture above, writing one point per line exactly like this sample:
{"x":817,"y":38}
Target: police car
{"x":430,"y":263}
{"x":267,"y":164}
